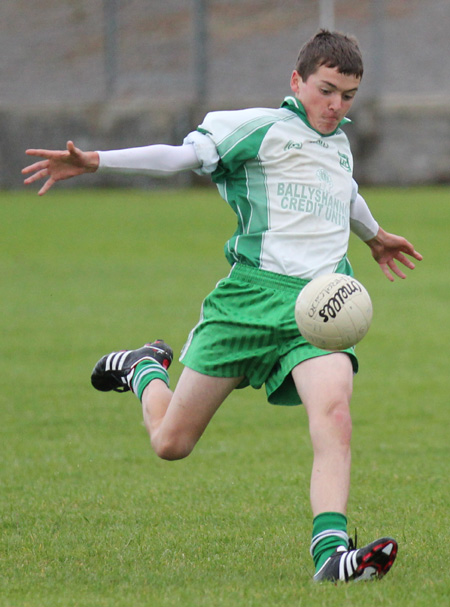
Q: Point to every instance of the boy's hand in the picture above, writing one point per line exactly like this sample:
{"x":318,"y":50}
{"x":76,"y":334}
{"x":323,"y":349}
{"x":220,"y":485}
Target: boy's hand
{"x":386,"y":248}
{"x":59,"y":165}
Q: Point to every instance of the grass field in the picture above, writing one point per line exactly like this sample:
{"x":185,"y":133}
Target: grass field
{"x":90,"y":517}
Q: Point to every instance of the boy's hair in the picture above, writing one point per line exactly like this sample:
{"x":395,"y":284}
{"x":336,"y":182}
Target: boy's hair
{"x":331,"y":49}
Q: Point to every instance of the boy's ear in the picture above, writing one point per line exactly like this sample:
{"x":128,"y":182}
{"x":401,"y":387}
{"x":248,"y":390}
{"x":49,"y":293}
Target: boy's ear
{"x":296,"y":80}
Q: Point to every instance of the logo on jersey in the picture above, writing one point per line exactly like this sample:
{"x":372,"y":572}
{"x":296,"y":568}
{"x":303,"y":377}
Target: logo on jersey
{"x":292,"y":145}
{"x":344,"y":161}
{"x":320,"y":142}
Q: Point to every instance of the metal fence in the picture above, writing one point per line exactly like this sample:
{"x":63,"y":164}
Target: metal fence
{"x":116,"y":72}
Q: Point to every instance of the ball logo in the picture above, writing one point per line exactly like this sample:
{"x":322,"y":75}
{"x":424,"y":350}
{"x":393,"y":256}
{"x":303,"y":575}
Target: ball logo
{"x":334,"y":304}
{"x":333,"y":312}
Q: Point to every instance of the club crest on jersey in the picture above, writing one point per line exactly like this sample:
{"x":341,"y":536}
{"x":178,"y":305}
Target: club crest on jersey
{"x":326,"y":183}
{"x":344,"y":162}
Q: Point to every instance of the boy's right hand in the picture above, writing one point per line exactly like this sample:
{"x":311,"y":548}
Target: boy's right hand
{"x":59,"y":164}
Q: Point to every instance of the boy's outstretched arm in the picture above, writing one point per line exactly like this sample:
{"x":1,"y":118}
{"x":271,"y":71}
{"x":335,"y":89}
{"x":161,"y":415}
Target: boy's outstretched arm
{"x":157,"y":160}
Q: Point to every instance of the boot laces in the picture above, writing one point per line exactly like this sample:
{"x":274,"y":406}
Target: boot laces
{"x":352,"y":544}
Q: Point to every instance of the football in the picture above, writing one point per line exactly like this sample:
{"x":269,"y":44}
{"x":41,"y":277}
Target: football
{"x":333,"y":312}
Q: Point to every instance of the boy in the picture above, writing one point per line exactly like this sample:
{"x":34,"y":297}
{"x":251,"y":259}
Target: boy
{"x":287,"y":174}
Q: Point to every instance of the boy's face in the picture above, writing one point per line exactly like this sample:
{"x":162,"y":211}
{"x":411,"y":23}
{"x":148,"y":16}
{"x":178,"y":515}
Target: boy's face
{"x":327,"y":96}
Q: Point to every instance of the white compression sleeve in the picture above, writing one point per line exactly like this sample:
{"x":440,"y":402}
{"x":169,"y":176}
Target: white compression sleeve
{"x":362,"y":222}
{"x":157,"y":160}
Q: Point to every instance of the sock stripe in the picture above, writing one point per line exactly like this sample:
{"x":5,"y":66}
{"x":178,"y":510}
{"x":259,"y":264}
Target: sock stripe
{"x":144,"y":373}
{"x":328,"y":533}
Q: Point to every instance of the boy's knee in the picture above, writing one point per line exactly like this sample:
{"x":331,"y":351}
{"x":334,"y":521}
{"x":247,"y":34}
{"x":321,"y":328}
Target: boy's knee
{"x":333,"y":421}
{"x":342,"y":421}
{"x":172,"y":449}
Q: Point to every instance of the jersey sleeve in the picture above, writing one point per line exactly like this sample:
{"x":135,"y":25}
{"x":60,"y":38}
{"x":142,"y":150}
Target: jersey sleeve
{"x":362,"y":222}
{"x":206,"y":151}
{"x":226,"y":140}
{"x":157,"y":160}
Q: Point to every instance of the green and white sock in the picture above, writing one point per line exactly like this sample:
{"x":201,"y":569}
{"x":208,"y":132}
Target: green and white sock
{"x":144,"y":372}
{"x":329,"y":532}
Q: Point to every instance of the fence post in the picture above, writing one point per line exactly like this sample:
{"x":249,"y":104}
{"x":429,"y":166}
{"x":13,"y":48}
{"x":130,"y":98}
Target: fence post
{"x":200,"y":52}
{"x":326,"y":14}
{"x":110,"y":18}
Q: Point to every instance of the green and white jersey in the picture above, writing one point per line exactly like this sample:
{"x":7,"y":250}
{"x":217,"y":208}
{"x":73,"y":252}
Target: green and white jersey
{"x":290,"y":187}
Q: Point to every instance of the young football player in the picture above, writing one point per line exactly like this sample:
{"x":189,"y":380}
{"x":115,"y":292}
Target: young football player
{"x":287,"y":174}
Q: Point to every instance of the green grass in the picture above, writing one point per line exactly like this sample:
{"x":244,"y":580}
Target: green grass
{"x":90,"y":517}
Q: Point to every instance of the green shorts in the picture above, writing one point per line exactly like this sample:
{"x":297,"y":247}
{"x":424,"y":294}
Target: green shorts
{"x":247,"y":329}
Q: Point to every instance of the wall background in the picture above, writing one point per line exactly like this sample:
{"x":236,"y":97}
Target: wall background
{"x":58,"y":81}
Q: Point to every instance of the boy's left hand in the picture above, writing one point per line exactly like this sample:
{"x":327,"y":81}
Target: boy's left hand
{"x":386,"y":248}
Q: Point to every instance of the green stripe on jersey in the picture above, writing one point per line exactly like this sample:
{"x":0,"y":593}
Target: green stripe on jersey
{"x":242,"y":144}
{"x":250,"y":132}
{"x":247,"y":195}
{"x":245,"y":189}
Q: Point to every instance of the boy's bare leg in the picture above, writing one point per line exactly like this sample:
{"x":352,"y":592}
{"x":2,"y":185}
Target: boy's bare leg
{"x":325,"y":386}
{"x":175,"y":421}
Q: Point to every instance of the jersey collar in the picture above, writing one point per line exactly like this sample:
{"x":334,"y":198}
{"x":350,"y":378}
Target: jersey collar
{"x":293,"y":104}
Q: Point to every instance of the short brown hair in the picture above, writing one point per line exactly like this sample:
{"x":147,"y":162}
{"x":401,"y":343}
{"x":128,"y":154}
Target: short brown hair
{"x":331,"y":49}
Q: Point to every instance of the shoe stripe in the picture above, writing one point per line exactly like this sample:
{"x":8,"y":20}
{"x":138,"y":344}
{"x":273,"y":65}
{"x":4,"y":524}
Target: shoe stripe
{"x":352,"y":563}
{"x":119,"y":360}
{"x":348,"y":565}
{"x":342,"y":575}
{"x":115,"y":360}
{"x":355,"y":560}
{"x":108,"y":361}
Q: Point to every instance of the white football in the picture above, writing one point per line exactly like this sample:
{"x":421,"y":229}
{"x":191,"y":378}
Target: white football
{"x":333,"y":312}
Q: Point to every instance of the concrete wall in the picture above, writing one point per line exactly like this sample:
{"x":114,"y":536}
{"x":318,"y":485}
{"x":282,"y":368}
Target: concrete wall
{"x":408,"y":144}
{"x":54,"y":83}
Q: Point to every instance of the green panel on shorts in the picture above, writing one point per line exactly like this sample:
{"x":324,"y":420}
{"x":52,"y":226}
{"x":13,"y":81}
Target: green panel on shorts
{"x":247,"y":329}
